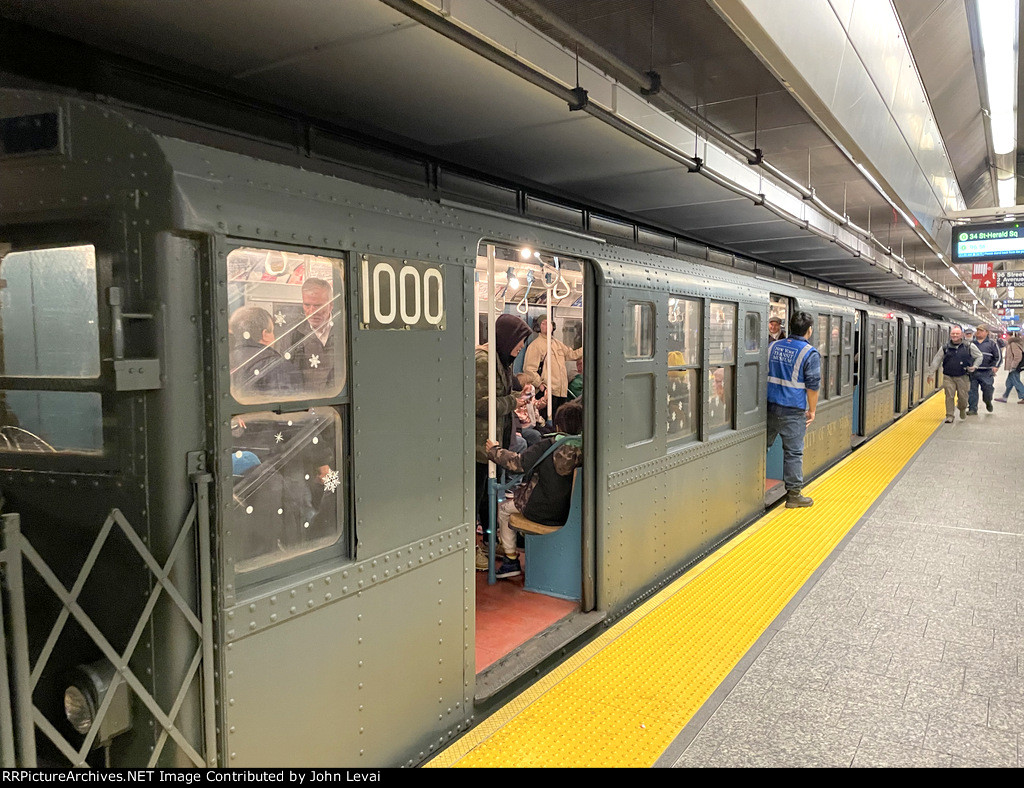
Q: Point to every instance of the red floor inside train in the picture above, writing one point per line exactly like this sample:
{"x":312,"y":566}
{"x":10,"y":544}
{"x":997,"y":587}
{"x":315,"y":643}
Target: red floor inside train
{"x":507,"y":616}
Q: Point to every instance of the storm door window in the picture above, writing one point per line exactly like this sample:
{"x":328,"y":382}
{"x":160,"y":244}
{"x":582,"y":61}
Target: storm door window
{"x":286,"y":326}
{"x":721,"y":365}
{"x":639,"y":331}
{"x":48,"y":314}
{"x":287,"y":487}
{"x":49,"y":329}
{"x":684,"y":353}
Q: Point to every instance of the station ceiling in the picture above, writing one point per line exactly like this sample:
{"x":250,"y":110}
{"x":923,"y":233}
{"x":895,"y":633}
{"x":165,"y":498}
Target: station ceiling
{"x":484,"y":84}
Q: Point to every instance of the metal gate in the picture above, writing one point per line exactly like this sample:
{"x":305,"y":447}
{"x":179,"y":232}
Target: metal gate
{"x":18,"y":677}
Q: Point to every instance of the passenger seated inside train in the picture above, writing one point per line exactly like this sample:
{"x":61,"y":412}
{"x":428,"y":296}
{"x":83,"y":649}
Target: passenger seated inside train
{"x":576,"y":384}
{"x":545,"y":492}
{"x":256,"y":367}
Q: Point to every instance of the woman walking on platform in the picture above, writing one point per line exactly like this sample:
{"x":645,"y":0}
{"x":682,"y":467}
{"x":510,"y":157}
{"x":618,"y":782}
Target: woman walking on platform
{"x":1014,"y":363}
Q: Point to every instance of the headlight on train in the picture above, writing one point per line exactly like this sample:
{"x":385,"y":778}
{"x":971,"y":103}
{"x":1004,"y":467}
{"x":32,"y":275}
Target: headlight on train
{"x":84,"y":695}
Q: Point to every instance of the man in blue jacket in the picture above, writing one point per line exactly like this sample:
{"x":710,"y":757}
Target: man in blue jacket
{"x":985,"y":375}
{"x":794,"y":376}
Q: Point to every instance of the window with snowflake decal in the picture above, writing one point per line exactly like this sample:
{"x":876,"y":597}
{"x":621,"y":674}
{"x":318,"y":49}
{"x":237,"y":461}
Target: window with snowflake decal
{"x":287,"y":325}
{"x":287,"y":487}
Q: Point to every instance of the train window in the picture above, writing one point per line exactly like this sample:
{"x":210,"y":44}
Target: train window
{"x":720,"y":394}
{"x":722,"y":333}
{"x":684,"y":347}
{"x":847,"y":333}
{"x":721,"y":371}
{"x":49,"y":313}
{"x":51,"y":421}
{"x":640,"y":334}
{"x":779,"y":307}
{"x":820,"y":336}
{"x":287,"y":325}
{"x":287,"y":490}
{"x":753,"y":332}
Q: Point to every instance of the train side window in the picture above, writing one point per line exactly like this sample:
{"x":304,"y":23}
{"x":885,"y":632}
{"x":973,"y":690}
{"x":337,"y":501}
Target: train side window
{"x":287,"y":490}
{"x":779,"y":307}
{"x":49,"y":329}
{"x":287,"y":325}
{"x":684,"y":350}
{"x":640,"y":330}
{"x":722,"y":365}
{"x":847,"y":350}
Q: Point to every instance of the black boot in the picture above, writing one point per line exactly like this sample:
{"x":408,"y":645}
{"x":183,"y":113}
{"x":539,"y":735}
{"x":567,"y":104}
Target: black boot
{"x":794,"y":500}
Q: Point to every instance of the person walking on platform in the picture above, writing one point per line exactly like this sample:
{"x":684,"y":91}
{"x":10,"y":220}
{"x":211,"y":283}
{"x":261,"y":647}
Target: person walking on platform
{"x":794,"y":376}
{"x":1014,"y":364}
{"x":957,"y":358}
{"x":985,"y":375}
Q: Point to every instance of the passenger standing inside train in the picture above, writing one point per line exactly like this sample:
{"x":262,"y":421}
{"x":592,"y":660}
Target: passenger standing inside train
{"x":794,"y":376}
{"x":560,"y":354}
{"x":256,"y":367}
{"x":545,"y":495}
{"x":957,"y":358}
{"x":984,"y":376}
{"x":775,"y":332}
{"x":510,"y":334}
{"x":314,"y":352}
{"x":1014,"y":364}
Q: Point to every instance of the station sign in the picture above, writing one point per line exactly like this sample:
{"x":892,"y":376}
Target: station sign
{"x":1010,"y":279}
{"x":1008,"y":303}
{"x":1010,"y":318}
{"x":1012,"y":329}
{"x":979,"y":242}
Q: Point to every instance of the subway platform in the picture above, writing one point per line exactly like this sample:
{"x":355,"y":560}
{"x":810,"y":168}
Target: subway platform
{"x":883,"y":627}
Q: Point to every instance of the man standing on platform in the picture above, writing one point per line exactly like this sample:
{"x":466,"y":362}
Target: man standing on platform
{"x":957,"y":358}
{"x":794,"y":376}
{"x":985,"y":375}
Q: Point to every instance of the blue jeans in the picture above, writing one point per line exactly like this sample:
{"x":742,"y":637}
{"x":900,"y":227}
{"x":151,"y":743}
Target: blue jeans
{"x":986,"y":380}
{"x":1013,"y":381}
{"x":791,"y":424}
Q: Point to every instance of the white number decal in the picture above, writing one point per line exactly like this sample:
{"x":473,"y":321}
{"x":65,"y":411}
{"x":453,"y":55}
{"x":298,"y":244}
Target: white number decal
{"x":413,"y":297}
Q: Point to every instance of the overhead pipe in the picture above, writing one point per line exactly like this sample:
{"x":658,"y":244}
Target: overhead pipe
{"x":576,"y":99}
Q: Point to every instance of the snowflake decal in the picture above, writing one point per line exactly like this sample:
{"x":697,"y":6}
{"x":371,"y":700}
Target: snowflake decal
{"x":280,"y":319}
{"x":314,"y":361}
{"x":331,"y":481}
{"x":279,"y":437}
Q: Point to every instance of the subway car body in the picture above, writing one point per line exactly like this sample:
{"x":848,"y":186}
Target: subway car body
{"x":238,"y":419}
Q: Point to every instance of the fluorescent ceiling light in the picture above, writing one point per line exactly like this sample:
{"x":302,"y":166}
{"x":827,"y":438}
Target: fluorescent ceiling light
{"x":1007,"y":189}
{"x":997,"y":24}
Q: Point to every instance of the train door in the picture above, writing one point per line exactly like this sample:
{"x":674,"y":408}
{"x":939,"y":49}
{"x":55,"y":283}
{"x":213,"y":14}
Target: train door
{"x":780,"y":307}
{"x":901,"y":401}
{"x":861,"y":368}
{"x":534,"y":580}
{"x":104,"y":499}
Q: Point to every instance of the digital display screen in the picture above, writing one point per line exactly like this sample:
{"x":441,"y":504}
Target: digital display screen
{"x":30,"y":134}
{"x":979,"y":242}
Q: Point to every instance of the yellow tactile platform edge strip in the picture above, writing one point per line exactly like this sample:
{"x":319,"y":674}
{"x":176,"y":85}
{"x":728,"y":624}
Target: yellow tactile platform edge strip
{"x":623,"y":699}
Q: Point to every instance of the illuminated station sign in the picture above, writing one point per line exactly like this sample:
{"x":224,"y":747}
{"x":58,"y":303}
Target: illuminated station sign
{"x":977,"y":242}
